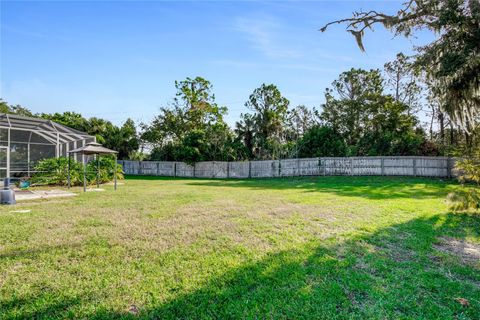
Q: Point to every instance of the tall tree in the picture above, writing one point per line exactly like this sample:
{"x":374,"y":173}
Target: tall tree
{"x":192,"y":127}
{"x":245,"y":129}
{"x":270,"y":111}
{"x":451,"y":62}
{"x":403,"y":83}
{"x":14,"y":109}
{"x":370,"y":121}
{"x":124,"y":139}
{"x":348,"y":102}
{"x":300,"y":120}
{"x":321,"y":141}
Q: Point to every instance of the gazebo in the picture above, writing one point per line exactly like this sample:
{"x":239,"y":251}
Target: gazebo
{"x":95,"y":149}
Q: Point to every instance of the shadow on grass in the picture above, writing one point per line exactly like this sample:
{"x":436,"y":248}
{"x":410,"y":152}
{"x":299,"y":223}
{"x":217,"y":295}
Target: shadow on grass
{"x":34,"y":252}
{"x":393,"y":273}
{"x":29,"y":308}
{"x":390,"y":274}
{"x":366,"y":187}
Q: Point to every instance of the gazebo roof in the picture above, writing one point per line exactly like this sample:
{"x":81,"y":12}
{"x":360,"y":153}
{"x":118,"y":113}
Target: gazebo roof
{"x":93,"y":148}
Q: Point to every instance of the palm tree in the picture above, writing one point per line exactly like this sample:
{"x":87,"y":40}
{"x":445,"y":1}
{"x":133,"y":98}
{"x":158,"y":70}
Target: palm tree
{"x":245,"y":130}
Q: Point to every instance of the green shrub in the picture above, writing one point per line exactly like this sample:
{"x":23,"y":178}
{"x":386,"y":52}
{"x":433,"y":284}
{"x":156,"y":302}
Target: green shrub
{"x":54,"y":171}
{"x":105,"y":173}
{"x":464,"y":200}
{"x":467,"y":198}
{"x":469,"y":170}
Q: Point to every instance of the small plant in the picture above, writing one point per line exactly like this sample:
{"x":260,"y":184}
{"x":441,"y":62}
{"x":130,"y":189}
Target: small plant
{"x":106,"y":167}
{"x":464,"y":199}
{"x":468,"y":197}
{"x":54,"y":171}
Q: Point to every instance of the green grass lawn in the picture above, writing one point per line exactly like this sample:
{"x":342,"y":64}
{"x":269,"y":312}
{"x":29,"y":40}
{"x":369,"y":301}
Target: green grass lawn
{"x":323,"y":247}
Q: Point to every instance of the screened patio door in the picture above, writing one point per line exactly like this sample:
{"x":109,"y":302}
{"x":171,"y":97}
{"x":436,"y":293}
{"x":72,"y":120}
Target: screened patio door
{"x":3,"y":162}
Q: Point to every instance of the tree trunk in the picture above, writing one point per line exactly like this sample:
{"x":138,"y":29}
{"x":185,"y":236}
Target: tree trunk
{"x":441,"y":119}
{"x":431,"y":123}
{"x":468,"y":142}
{"x":452,"y":134}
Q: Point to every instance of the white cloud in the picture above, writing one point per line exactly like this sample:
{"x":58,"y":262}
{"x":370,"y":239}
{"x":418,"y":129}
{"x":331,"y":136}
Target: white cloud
{"x":263,"y":34}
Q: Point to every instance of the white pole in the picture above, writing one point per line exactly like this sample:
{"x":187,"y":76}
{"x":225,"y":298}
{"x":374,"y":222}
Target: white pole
{"x":115,"y":174}
{"x":84,"y":175}
{"x":28,"y":158}
{"x":83,"y":156}
{"x":98,"y":169}
{"x":75,"y":147}
{"x":57,"y":150}
{"x":8,"y":154}
{"x":68,"y":177}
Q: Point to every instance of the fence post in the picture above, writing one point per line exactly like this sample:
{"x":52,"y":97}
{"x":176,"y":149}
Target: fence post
{"x":449,"y":167}
{"x":158,"y":168}
{"x":351,"y":166}
{"x":249,"y":168}
{"x":279,"y":168}
{"x":414,"y":167}
{"x":383,"y":166}
{"x":324,"y":167}
{"x":299,"y":173}
{"x":194,"y":170}
{"x":228,"y":170}
{"x":139,"y":167}
{"x":175,"y":169}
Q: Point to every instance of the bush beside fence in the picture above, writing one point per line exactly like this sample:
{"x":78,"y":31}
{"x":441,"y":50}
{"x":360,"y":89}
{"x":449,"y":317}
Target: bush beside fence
{"x":328,"y":166}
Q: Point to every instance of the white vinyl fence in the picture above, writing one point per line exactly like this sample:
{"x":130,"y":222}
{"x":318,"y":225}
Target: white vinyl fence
{"x":327,"y":166}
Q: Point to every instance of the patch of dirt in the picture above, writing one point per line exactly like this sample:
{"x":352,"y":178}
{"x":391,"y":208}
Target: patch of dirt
{"x":42,"y":194}
{"x":133,"y":309}
{"x":467,"y":252}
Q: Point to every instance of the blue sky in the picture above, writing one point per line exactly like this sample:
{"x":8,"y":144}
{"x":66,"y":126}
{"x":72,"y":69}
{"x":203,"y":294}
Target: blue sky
{"x":120,"y":59}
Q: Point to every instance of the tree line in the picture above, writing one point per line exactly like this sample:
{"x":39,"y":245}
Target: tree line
{"x":365,"y":113}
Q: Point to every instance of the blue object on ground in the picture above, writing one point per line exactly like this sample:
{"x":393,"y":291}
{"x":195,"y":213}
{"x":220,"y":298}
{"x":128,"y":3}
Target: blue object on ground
{"x":24,"y":184}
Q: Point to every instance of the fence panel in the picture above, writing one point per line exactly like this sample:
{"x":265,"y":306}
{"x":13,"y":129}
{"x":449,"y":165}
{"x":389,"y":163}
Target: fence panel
{"x":300,"y":167}
{"x":265,"y":169}
{"x":204,"y":169}
{"x":130,"y":167}
{"x":432,"y":167}
{"x":398,"y":166}
{"x":220,"y":169}
{"x":335,"y":166}
{"x":166,"y":168}
{"x":239,"y":169}
{"x":367,"y":166}
{"x":184,"y":170}
{"x":289,"y":168}
{"x":309,"y":167}
{"x":359,"y":166}
{"x":148,"y":168}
